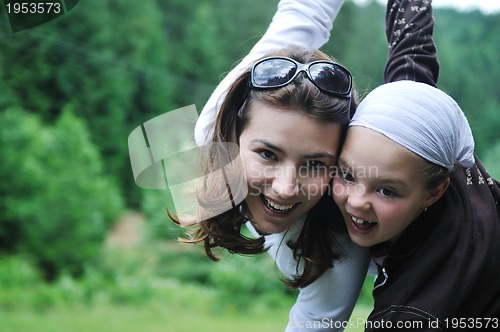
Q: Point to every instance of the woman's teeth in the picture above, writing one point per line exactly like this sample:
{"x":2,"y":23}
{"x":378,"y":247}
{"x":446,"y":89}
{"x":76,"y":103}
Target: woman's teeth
{"x":277,"y":207}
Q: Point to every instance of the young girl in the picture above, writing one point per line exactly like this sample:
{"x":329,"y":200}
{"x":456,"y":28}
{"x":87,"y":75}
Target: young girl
{"x":410,"y":188}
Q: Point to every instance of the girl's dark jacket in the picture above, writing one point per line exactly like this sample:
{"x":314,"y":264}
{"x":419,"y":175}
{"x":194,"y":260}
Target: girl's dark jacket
{"x":444,"y":271}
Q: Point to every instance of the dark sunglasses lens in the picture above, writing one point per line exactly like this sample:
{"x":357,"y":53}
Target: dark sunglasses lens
{"x":331,"y":78}
{"x":273,"y":73}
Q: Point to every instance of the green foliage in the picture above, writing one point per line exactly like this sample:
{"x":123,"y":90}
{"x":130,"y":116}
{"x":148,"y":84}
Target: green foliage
{"x":363,"y":50}
{"x":57,"y":204}
{"x":89,"y":78}
{"x":140,"y":276}
{"x":155,"y":204}
{"x":17,"y":272}
{"x":468,"y":50}
{"x":492,"y":160}
{"x":124,"y":292}
{"x":106,"y":59}
{"x":241,"y":279}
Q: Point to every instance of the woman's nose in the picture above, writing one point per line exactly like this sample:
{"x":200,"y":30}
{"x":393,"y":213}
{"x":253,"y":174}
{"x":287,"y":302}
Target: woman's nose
{"x":285,"y":183}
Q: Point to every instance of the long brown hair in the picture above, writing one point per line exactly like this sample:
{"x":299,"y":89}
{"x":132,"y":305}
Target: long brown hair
{"x":316,"y":246}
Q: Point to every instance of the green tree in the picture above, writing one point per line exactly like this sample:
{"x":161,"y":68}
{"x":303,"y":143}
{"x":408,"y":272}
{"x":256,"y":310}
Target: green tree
{"x":468,"y":50}
{"x":360,"y":46}
{"x":57,"y":203}
{"x":492,"y":160}
{"x":107,"y":60}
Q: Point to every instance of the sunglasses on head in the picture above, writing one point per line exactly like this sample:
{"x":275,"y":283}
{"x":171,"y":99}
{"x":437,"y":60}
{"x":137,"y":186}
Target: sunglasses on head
{"x":328,"y":76}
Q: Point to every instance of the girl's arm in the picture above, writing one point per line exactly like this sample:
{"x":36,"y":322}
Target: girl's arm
{"x":412,"y":52}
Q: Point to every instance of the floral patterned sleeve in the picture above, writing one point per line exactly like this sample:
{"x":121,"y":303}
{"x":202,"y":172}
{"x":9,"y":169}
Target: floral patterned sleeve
{"x":412,"y":52}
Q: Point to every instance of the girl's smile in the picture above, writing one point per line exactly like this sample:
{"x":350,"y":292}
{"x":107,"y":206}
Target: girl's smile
{"x":380,"y":187}
{"x":362,"y":225}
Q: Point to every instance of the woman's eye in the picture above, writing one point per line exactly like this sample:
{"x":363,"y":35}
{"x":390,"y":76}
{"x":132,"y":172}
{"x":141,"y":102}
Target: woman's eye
{"x":386,"y":192}
{"x":268,"y":155}
{"x":315,"y":164}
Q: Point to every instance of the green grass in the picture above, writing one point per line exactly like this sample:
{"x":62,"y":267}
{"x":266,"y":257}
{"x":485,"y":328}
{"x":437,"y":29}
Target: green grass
{"x":149,"y":318}
{"x":174,"y":292}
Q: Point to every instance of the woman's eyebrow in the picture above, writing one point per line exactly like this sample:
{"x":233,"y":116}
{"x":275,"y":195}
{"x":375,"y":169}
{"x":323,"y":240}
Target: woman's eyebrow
{"x":314,"y":155}
{"x":320,"y":155}
{"x":269,"y":145}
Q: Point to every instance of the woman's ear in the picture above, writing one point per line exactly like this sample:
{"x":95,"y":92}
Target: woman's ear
{"x":436,"y":193}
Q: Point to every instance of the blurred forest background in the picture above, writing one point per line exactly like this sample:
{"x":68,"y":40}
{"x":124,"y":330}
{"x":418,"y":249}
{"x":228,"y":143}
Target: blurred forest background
{"x":81,"y":246}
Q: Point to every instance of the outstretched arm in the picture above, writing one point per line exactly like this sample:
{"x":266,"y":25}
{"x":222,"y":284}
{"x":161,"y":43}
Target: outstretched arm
{"x":303,"y":23}
{"x":412,"y":52}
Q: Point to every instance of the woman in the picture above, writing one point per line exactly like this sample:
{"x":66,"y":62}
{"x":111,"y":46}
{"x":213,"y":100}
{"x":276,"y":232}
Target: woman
{"x":287,"y":114}
{"x":288,"y":134}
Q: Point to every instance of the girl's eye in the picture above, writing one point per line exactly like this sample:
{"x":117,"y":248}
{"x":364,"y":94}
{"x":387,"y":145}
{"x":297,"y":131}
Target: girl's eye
{"x":268,"y":155}
{"x":346,"y":176}
{"x":386,"y":192}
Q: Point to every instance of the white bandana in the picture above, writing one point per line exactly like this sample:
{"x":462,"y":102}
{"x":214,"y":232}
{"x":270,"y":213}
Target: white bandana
{"x":423,"y":119}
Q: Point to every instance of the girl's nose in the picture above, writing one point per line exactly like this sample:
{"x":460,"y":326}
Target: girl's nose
{"x":357,"y":198}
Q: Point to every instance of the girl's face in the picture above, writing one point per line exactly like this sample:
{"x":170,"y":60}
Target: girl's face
{"x":380,"y":187}
{"x":288,"y":158}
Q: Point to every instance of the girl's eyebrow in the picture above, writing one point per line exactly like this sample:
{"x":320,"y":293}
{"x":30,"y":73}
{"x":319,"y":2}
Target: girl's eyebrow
{"x":384,"y":180}
{"x":392,"y":181}
{"x":342,"y":162}
{"x":316,"y":155}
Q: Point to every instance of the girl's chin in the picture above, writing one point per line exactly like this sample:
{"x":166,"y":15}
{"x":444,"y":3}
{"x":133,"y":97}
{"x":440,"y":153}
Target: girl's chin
{"x":361,"y":243}
{"x":360,"y":240}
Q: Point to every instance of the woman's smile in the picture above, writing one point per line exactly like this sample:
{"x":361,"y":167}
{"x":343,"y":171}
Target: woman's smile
{"x":274,"y":206}
{"x":287,"y":158}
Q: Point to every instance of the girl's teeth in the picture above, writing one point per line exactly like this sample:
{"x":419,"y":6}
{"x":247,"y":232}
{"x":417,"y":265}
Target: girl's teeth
{"x":360,"y":221}
{"x":357,"y":221}
{"x":281,"y":208}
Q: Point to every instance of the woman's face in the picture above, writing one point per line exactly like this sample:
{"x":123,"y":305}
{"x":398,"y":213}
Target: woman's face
{"x":380,"y":187}
{"x":288,"y":158}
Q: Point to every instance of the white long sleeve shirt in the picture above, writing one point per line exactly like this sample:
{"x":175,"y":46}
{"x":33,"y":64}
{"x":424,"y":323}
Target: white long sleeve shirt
{"x":327,"y":303}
